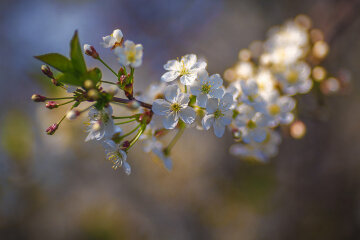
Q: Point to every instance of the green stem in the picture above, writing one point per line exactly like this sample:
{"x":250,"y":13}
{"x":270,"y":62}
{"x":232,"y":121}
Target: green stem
{"x":66,"y":103}
{"x":132,"y":116}
{"x":60,"y":98}
{"x":134,"y":140}
{"x":185,"y":89}
{"x":107,"y":66}
{"x":131,"y":132}
{"x":125,"y":122}
{"x":108,"y":82}
{"x":175,"y":139}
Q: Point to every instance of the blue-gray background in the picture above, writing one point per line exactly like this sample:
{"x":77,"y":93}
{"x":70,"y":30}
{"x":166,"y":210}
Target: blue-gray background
{"x":58,"y":187}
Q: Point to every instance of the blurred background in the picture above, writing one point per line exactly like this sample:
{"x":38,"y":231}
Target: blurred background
{"x":58,"y":187}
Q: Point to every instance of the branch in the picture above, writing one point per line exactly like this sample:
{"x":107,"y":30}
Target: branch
{"x":122,"y":100}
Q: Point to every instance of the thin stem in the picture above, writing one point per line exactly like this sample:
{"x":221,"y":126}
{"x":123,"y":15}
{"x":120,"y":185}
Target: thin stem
{"x":59,"y":98}
{"x":107,"y":66}
{"x":108,"y":82}
{"x":185,"y":89}
{"x":132,"y":120}
{"x":134,"y":140}
{"x":66,"y":103}
{"x":131,"y":132}
{"x":121,"y":100}
{"x":175,"y":139}
{"x":133,"y":116}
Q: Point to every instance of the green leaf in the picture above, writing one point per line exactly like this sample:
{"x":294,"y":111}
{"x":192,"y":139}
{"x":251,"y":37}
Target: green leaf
{"x":57,"y":61}
{"x":76,"y":55}
{"x":94,"y":75}
{"x":71,"y":79}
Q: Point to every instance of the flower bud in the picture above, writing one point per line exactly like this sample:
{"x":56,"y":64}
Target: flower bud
{"x":46,"y":70}
{"x":126,"y":144}
{"x":52,"y":129}
{"x":113,"y":90}
{"x":38,"y":98}
{"x":51,"y":105}
{"x":122,"y":79}
{"x":55,"y":82}
{"x":88,"y":84}
{"x":93,"y":94}
{"x":90,"y":50}
{"x":133,"y":104}
{"x":73,"y":114}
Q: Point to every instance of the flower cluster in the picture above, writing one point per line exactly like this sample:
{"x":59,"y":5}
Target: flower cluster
{"x":266,"y":80}
{"x":258,"y":99}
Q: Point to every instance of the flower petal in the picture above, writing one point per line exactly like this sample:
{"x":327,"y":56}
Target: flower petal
{"x":189,"y":60}
{"x":169,"y":76}
{"x":198,"y":66}
{"x":259,"y":135}
{"x":161,"y":107}
{"x":187,"y":115}
{"x":219,"y":128}
{"x":188,"y":79}
{"x":172,"y":65}
{"x":212,"y":105}
{"x":215,"y":81}
{"x":217,"y":93}
{"x":201,"y":100}
{"x":183,"y":99}
{"x":172,"y":92}
{"x":170,"y":121}
{"x":207,"y":121}
{"x":226,"y":102}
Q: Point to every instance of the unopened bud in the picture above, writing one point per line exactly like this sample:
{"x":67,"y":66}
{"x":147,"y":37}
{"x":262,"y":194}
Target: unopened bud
{"x":52,"y":129}
{"x":55,"y":82}
{"x":122,"y":71}
{"x":133,"y":104}
{"x":88,"y":84}
{"x":38,"y":98}
{"x":46,"y":70}
{"x":90,"y":50}
{"x":236,"y":134}
{"x":113,"y":90}
{"x":73,"y":114}
{"x":93,"y":94}
{"x":126,"y":144}
{"x":122,"y":79}
{"x":51,"y":105}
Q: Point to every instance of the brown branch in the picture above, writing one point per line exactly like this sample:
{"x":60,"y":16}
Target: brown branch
{"x":122,"y":100}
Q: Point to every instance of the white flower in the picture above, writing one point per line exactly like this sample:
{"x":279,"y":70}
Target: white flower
{"x":154,"y":91}
{"x":113,"y":40}
{"x":250,"y":94}
{"x":265,"y":81}
{"x":235,"y":89}
{"x":218,"y":114}
{"x":173,"y":107}
{"x":278,"y":108}
{"x":207,"y":87}
{"x":116,"y":156}
{"x":244,"y":70}
{"x":187,"y":68}
{"x":101,"y":124}
{"x":159,"y":152}
{"x":130,"y":54}
{"x":259,"y":151}
{"x":251,"y":124}
{"x":295,"y":79}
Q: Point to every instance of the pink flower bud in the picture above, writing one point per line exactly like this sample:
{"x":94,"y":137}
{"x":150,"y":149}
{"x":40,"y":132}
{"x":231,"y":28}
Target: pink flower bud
{"x":38,"y":98}
{"x":52,"y":129}
{"x":46,"y":70}
{"x":51,"y":105}
{"x":90,"y":50}
{"x":126,"y":144}
{"x":73,"y":114}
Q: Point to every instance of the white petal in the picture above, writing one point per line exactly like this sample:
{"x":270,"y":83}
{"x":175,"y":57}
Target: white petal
{"x":118,"y":35}
{"x":226,"y":120}
{"x":219,"y":128}
{"x":216,"y":81}
{"x":198,"y":66}
{"x":201,"y":100}
{"x":189,"y":60}
{"x":168,"y":163}
{"x":195,"y":88}
{"x":259,"y":135}
{"x":169,"y":76}
{"x":286,"y":104}
{"x":108,"y":42}
{"x":183,"y":99}
{"x":172,"y":65}
{"x":207,"y":121}
{"x":217,"y":93}
{"x":126,"y":167}
{"x":212,"y":105}
{"x":172,"y":92}
{"x":188,"y":79}
{"x":170,"y":121}
{"x":226,"y":102}
{"x":161,"y":107}
{"x":187,"y":115}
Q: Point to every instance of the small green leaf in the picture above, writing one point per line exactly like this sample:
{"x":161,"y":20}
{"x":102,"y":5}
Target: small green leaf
{"x":57,"y":61}
{"x":94,"y":75}
{"x":71,"y":79}
{"x":76,"y":55}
